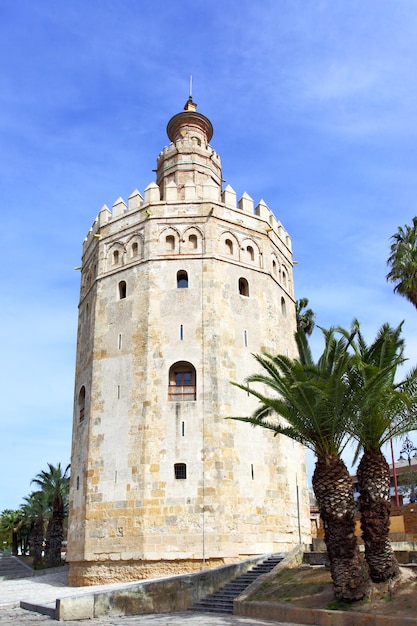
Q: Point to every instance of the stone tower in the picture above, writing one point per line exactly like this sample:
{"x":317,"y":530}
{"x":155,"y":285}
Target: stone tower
{"x":178,"y":289}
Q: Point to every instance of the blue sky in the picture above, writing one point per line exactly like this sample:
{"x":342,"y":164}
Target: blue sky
{"x":314,"y":108}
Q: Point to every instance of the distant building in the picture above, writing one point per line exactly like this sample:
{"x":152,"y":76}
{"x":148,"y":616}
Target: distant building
{"x":402,"y":466}
{"x":178,"y":289}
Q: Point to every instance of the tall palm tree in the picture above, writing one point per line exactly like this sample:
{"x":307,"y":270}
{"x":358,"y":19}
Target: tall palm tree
{"x":314,"y":401}
{"x":55,"y":485}
{"x":35,"y":510}
{"x":10,"y":523}
{"x":403,"y":262}
{"x":305,"y":317}
{"x":384,"y":410}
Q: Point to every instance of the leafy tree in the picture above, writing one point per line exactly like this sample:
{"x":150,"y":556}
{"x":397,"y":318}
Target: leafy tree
{"x":403,"y":262}
{"x":305,"y":317}
{"x":54,"y":483}
{"x":384,"y":409}
{"x":315,"y":402}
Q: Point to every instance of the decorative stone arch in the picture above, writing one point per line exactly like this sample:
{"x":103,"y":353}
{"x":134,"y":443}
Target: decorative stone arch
{"x":169,"y":241}
{"x":250,"y":252}
{"x":229,"y":245}
{"x":115,"y":255}
{"x":134,"y":247}
{"x":182,"y":382}
{"x":192,"y":241}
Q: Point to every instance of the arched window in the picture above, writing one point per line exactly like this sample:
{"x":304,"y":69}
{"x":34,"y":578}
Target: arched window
{"x":192,"y":242}
{"x":170,"y":243}
{"x":243,"y":287}
{"x":182,"y":382}
{"x":180,"y":471}
{"x":283,"y":307}
{"x":122,"y":289}
{"x":229,"y":245}
{"x":284,"y":276}
{"x":134,"y":251}
{"x":115,"y":257}
{"x":182,"y":279}
{"x":81,"y":403}
{"x":251,"y":253}
{"x":274,"y":267}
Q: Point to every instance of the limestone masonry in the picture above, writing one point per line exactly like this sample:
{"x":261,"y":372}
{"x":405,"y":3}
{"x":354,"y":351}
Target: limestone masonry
{"x":179,"y":288}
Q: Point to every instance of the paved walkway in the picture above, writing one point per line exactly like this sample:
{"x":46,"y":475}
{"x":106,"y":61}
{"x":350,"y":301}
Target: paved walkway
{"x":45,"y":589}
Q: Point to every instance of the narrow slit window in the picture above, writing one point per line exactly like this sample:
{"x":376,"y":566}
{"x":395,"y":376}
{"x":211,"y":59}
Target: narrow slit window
{"x":119,"y":342}
{"x":182,"y":429}
{"x":122,"y":290}
{"x":118,"y":392}
{"x":245,"y":338}
{"x":181,"y":332}
{"x":180,"y":470}
{"x":81,"y":403}
{"x":283,"y":307}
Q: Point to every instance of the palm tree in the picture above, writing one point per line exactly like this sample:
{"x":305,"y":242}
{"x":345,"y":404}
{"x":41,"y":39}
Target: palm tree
{"x":314,"y":401}
{"x":35,"y":510}
{"x":10,"y":523}
{"x":384,"y":410}
{"x":305,"y":317}
{"x":403,"y":262}
{"x":55,"y":485}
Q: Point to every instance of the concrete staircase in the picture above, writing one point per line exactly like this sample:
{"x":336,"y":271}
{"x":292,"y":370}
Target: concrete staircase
{"x":11,"y":567}
{"x":222,"y":600}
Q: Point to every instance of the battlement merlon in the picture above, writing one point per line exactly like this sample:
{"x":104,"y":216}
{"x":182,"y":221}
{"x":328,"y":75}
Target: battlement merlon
{"x":243,"y":212}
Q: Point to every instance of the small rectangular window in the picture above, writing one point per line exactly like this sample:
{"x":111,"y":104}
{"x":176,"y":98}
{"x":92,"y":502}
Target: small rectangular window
{"x":180,"y":470}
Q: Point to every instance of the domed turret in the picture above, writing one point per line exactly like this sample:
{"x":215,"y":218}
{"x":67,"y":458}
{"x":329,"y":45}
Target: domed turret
{"x":189,"y":159}
{"x":190,"y":123}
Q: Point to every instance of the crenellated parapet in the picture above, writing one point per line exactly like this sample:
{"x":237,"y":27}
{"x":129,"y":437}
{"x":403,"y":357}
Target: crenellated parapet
{"x":150,"y":205}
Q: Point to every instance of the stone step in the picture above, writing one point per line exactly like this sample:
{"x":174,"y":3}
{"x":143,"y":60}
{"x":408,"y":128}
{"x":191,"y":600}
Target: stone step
{"x":11,"y":567}
{"x":222,"y":600}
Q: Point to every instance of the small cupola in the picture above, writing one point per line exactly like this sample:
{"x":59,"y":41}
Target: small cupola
{"x":189,"y":168}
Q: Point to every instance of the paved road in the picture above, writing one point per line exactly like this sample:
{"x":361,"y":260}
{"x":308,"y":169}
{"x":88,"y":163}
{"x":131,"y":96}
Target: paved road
{"x":45,"y":589}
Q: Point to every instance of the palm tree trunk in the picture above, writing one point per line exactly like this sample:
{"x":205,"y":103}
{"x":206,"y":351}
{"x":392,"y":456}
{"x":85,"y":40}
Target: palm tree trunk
{"x":55,"y":535}
{"x":375,"y":506}
{"x":334,"y":493}
{"x":36,"y":540}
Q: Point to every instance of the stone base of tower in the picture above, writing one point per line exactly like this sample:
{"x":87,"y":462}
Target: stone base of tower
{"x":86,"y":573}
